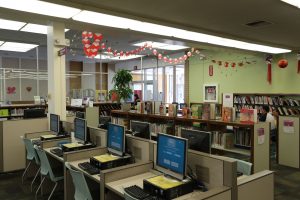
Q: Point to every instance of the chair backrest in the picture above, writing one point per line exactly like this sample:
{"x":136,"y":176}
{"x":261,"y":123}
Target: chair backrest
{"x":45,"y":165}
{"x":31,"y":153}
{"x":82,"y":191}
{"x":244,"y":167}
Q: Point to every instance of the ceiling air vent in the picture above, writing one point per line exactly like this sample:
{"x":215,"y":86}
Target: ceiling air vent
{"x":258,"y":23}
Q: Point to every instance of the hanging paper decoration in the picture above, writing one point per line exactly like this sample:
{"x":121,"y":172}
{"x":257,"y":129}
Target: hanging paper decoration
{"x":154,"y":52}
{"x":90,"y":34}
{"x":220,"y":63}
{"x":233,"y":65}
{"x":240,"y":64}
{"x":85,"y":41}
{"x":159,"y":56}
{"x":185,"y":57}
{"x":226,"y":64}
{"x":269,"y":63}
{"x":84,"y":34}
{"x":298,"y":58}
{"x":211,"y":70}
{"x":109,"y":49}
{"x":189,"y":54}
{"x":98,"y":37}
{"x":283,"y":63}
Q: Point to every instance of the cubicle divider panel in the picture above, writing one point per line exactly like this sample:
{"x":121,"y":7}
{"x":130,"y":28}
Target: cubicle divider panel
{"x":98,"y":136}
{"x":259,"y":186}
{"x":84,"y":154}
{"x":33,"y":135}
{"x":261,"y":144}
{"x":139,"y":148}
{"x":12,"y":145}
{"x":68,"y":126}
{"x":54,"y":143}
{"x":92,"y":116}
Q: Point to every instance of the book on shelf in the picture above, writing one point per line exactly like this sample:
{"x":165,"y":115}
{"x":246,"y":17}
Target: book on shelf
{"x":242,"y":136}
{"x":155,"y":106}
{"x":196,"y":110}
{"x":228,"y":114}
{"x":148,"y":107}
{"x":186,"y":112}
{"x":209,"y":111}
{"x":223,"y":140}
{"x":140,"y":107}
{"x":248,"y":115}
{"x":172,"y":110}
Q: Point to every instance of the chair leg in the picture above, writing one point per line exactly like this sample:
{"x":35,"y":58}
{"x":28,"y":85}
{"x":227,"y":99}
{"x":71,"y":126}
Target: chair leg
{"x":26,"y":169}
{"x":56,"y":183}
{"x":36,"y":175}
{"x":37,"y":191}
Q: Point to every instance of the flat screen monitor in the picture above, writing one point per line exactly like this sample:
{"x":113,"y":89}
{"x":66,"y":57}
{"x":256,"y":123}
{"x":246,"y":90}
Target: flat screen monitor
{"x":116,"y":139}
{"x":104,"y":121}
{"x":140,"y":129}
{"x":80,"y":129}
{"x":198,"y":140}
{"x":54,"y":123}
{"x":172,"y":155}
{"x":79,"y":114}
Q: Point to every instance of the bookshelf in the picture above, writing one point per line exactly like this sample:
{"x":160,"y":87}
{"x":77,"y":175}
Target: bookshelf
{"x":16,"y":111}
{"x":104,"y":108}
{"x":284,"y":104}
{"x":244,"y":136}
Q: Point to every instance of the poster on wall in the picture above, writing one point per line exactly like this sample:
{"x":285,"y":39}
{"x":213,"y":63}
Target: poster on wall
{"x":227,"y":100}
{"x":288,"y":126}
{"x":210,"y":93}
{"x":260,"y":135}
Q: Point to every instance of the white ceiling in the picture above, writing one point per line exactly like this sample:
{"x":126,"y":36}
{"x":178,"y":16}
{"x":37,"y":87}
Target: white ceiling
{"x":222,"y":18}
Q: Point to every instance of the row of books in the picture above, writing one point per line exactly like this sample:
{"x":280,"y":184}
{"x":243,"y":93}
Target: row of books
{"x":160,"y":128}
{"x":223,"y":140}
{"x":242,"y":136}
{"x":283,"y":111}
{"x":228,"y":114}
{"x":204,"y":111}
{"x":266,"y":100}
{"x":120,"y":121}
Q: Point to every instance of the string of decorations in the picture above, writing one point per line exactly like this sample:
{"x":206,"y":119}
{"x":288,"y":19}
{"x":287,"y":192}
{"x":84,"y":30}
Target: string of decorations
{"x":92,"y":44}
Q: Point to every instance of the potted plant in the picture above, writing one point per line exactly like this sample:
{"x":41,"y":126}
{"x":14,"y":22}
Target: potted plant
{"x":121,"y":89}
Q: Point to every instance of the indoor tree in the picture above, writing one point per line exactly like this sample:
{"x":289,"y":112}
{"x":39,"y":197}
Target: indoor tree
{"x":122,"y":80}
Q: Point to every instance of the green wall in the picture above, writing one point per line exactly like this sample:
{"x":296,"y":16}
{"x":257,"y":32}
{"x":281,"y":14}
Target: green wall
{"x":250,"y":78}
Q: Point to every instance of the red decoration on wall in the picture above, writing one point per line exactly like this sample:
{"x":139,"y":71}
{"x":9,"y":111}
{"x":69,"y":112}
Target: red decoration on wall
{"x":11,"y":90}
{"x":28,"y":88}
{"x":269,"y":73}
{"x":226,"y":64}
{"x":233,"y":65}
{"x":283,"y":63}
{"x":298,"y":58}
{"x":211,"y":70}
{"x":220,"y":63}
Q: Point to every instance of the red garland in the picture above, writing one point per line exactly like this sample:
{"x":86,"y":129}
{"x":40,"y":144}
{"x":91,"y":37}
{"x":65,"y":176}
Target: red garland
{"x":269,"y":78}
{"x":298,"y":58}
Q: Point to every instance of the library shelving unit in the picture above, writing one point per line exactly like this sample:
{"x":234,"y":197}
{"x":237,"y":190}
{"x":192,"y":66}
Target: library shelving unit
{"x":249,"y":141}
{"x":104,"y":108}
{"x":16,"y":110}
{"x":285,"y":104}
{"x":289,"y":141}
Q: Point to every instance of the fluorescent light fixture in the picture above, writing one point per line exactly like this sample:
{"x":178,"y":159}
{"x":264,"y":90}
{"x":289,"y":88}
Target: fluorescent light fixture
{"x":36,"y":28}
{"x":125,"y":23}
{"x":105,"y":20}
{"x":126,"y":57}
{"x":159,"y":45}
{"x":18,"y":47}
{"x":40,"y":7}
{"x":1,"y":42}
{"x":102,"y":57}
{"x":295,"y":3}
{"x":11,"y":25}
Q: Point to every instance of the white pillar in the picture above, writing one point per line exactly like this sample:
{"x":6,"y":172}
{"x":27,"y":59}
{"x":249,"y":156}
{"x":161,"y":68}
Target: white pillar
{"x":56,"y":70}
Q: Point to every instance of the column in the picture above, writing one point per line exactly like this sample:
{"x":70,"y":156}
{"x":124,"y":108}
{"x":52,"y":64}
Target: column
{"x":56,"y":70}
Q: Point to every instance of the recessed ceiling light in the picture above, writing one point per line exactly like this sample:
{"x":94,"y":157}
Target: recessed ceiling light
{"x":11,"y":25}
{"x":18,"y":47}
{"x":125,"y":23}
{"x":159,"y":45}
{"x":40,"y":7}
{"x":295,"y":3}
{"x":36,"y":28}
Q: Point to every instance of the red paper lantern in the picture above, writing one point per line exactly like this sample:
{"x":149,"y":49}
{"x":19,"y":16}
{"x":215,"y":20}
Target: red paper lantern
{"x":90,"y":34}
{"x":127,"y":53}
{"x":233,"y":65}
{"x":115,"y":52}
{"x":185,"y":57}
{"x":95,"y":45}
{"x":165,"y":59}
{"x":283,"y":63}
{"x":103,"y":45}
{"x":176,"y":60}
{"x":180,"y":59}
{"x":85,"y":41}
{"x":154,"y":52}
{"x":109,"y":49}
{"x":159,"y":56}
{"x":84,"y":34}
{"x":189,"y":54}
{"x":226,"y":64}
{"x":121,"y":53}
{"x":98,"y":37}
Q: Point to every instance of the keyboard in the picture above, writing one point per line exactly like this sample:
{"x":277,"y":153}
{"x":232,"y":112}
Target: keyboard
{"x":91,"y":169}
{"x":57,"y":151}
{"x":137,"y":193}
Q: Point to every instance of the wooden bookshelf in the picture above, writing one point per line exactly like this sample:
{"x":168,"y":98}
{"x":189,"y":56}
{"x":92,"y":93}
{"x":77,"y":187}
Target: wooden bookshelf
{"x":17,"y":110}
{"x":258,"y":154}
{"x":104,"y":108}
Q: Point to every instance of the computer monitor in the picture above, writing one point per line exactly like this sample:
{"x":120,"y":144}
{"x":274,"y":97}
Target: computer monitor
{"x":140,"y":129}
{"x":198,"y":140}
{"x":104,"y":121}
{"x":116,"y":139}
{"x":80,"y":129}
{"x":79,"y":114}
{"x":171,"y":156}
{"x":54,"y":123}
{"x":34,"y":113}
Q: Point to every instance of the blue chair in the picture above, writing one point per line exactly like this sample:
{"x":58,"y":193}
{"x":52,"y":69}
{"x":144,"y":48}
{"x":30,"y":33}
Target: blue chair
{"x":46,"y":170}
{"x":244,"y":167}
{"x":31,"y":156}
{"x":82,"y":191}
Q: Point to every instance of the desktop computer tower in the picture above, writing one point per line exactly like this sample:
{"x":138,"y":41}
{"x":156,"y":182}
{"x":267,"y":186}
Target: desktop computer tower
{"x":162,"y":190}
{"x":108,"y":163}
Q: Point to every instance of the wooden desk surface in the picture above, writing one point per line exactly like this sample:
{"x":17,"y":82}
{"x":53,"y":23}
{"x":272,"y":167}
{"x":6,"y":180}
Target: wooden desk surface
{"x":47,"y":150}
{"x":119,"y":185}
{"x":74,"y":164}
